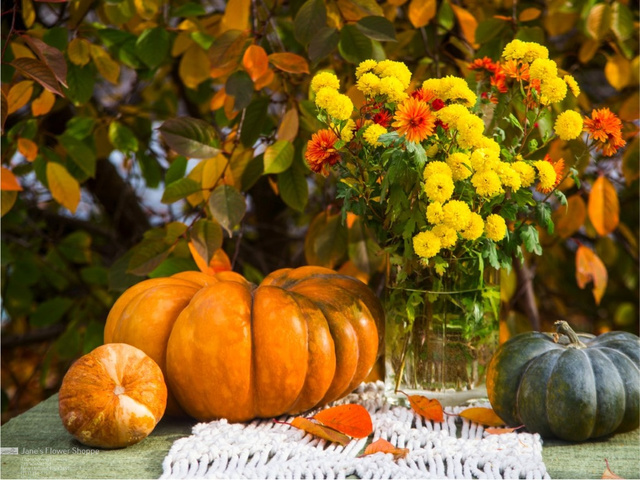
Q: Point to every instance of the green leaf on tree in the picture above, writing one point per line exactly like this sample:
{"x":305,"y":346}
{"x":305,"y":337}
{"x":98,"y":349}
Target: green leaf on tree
{"x":122,"y":137}
{"x":309,"y":20}
{"x":294,"y":190}
{"x":323,"y":43}
{"x":278,"y":157}
{"x":191,"y":137}
{"x":377,"y":28}
{"x":152,"y":46}
{"x":180,"y":189}
{"x":354,"y":46}
{"x":147,"y":255}
{"x":227,"y":206}
{"x":240,"y":86}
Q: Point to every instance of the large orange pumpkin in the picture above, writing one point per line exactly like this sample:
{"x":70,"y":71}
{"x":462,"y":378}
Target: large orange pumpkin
{"x":304,"y":337}
{"x":112,"y":397}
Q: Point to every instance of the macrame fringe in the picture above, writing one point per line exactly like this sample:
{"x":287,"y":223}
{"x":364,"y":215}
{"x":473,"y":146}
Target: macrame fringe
{"x":263,"y":449}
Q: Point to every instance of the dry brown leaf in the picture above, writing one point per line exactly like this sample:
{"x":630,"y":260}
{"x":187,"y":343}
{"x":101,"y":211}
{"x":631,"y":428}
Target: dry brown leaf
{"x":381,"y":445}
{"x":321,"y":431}
{"x":483,"y":416}
{"x":352,"y":420}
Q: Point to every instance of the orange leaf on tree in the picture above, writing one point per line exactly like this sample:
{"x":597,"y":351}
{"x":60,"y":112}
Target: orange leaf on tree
{"x":603,"y":207}
{"x":289,"y":62}
{"x":468,"y":24}
{"x":589,"y":268}
{"x":321,"y":431}
{"x":383,"y":446}
{"x":483,"y":416}
{"x":9,"y":181}
{"x":255,"y":61}
{"x":428,"y":408}
{"x":352,"y":420}
{"x":28,"y":148}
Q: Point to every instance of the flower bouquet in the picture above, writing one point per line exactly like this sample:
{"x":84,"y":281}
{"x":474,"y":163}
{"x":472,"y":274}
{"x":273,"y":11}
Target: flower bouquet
{"x":452,"y":183}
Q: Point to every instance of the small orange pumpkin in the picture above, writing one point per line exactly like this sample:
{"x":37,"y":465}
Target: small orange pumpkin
{"x":302,"y":338}
{"x":112,"y":397}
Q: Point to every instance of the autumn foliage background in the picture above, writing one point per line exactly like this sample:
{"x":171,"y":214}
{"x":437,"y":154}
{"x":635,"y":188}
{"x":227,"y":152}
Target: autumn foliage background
{"x":142,"y":137}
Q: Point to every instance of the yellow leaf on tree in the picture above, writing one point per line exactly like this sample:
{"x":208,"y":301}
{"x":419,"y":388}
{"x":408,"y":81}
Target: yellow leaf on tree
{"x":19,"y":50}
{"x":265,"y":80}
{"x":618,"y":71}
{"x":236,"y":15}
{"x":212,"y":173}
{"x":588,"y":49}
{"x":589,"y":268}
{"x":354,"y":10}
{"x":180,"y":45}
{"x":19,"y":95}
{"x":64,"y":188}
{"x":468,"y":24}
{"x":599,"y":21}
{"x":560,"y":23}
{"x":107,"y":66}
{"x":7,"y":200}
{"x":217,"y":101}
{"x":288,"y":129}
{"x":28,"y":13}
{"x":569,"y":219}
{"x":147,"y":9}
{"x":79,"y":51}
{"x":194,"y":66}
{"x":28,"y":148}
{"x":239,"y":161}
{"x":8,"y":181}
{"x":421,"y":12}
{"x":629,"y":111}
{"x":43,"y":104}
{"x":255,"y":61}
{"x":604,"y":207}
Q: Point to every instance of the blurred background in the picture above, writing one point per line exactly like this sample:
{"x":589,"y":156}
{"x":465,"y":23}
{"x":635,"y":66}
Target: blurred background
{"x":86,"y":206}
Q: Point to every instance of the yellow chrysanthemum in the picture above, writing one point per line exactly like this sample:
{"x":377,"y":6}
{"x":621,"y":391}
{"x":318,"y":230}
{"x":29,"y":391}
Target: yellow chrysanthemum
{"x":397,"y":70}
{"x":495,"y":227}
{"x":470,"y":129}
{"x":393,"y":89}
{"x":372,"y":133}
{"x":526,"y":172}
{"x":572,"y":84}
{"x":439,"y":187}
{"x":365,"y":67}
{"x":447,"y":235}
{"x":484,"y":159}
{"x":456,"y":214}
{"x":450,"y":114}
{"x":324,"y":79}
{"x":474,"y":229}
{"x":369,"y":84}
{"x":489,"y":144}
{"x":525,"y":51}
{"x":326,"y":96}
{"x":460,"y":165}
{"x":487,"y":183}
{"x":348,"y":130}
{"x":508,"y":176}
{"x":340,"y":108}
{"x":426,"y":244}
{"x":552,"y":91}
{"x":568,"y":125}
{"x":542,"y":69}
{"x":433,"y":168}
{"x":435,"y":215}
{"x":451,"y":88}
{"x":546,"y":174}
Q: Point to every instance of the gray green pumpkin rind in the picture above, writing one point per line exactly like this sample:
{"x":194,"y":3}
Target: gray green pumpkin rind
{"x":569,"y":393}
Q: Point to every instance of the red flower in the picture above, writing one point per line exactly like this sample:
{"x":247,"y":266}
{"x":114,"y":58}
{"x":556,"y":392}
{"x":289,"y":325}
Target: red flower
{"x":320,"y":152}
{"x":437,"y":104}
{"x":423,"y":94}
{"x":383,"y":117}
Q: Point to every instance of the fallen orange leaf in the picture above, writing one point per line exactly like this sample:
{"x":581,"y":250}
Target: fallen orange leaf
{"x":429,"y":408}
{"x":381,"y":445}
{"x":352,"y":420}
{"x":501,"y":431}
{"x":321,"y":431}
{"x":608,"y":473}
{"x":483,"y":416}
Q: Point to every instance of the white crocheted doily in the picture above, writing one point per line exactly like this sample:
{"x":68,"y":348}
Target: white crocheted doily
{"x":264,"y":449}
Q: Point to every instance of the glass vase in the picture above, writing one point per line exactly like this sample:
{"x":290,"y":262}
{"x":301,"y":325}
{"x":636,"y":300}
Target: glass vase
{"x":441,"y":331}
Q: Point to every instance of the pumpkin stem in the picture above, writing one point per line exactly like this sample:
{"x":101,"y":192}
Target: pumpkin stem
{"x":563,"y":328}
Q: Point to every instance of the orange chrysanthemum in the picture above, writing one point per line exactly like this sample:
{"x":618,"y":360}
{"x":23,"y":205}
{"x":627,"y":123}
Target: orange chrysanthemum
{"x":423,"y":94}
{"x":321,"y":152}
{"x":558,"y":167}
{"x":606,"y":129}
{"x":414,"y":120}
{"x":517,"y":70}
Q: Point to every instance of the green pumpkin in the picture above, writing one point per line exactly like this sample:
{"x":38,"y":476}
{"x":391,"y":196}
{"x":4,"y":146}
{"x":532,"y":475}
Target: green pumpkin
{"x":573,"y":390}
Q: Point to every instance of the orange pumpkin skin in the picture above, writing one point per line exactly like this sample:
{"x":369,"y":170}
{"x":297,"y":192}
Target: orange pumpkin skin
{"x":112,"y":397}
{"x":303,"y":338}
